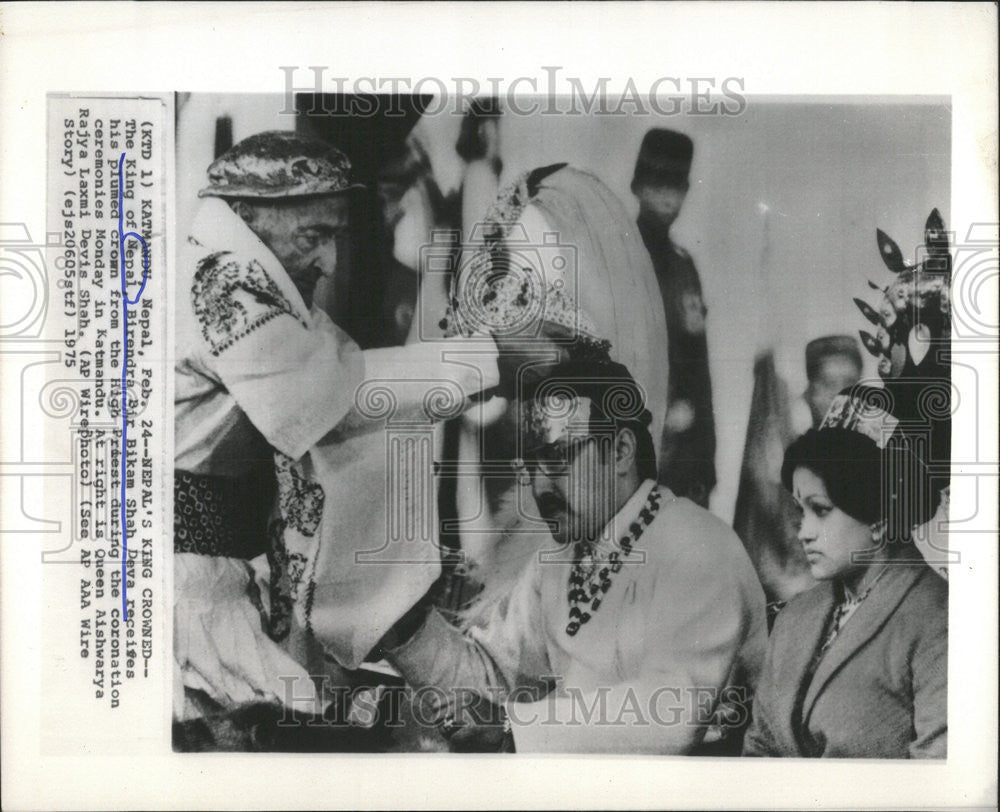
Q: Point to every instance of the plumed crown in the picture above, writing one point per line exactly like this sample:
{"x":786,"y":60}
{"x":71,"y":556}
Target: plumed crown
{"x":493,"y":293}
{"x":912,"y":342}
{"x":914,"y":314}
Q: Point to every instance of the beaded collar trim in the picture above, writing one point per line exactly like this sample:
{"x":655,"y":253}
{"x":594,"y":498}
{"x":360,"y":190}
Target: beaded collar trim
{"x":587,"y":592}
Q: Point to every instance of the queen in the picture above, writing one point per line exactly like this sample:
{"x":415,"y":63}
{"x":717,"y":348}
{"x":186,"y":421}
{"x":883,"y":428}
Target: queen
{"x":857,"y":666}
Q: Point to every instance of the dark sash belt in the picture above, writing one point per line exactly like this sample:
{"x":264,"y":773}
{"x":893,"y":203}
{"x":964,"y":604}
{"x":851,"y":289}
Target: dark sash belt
{"x":222,"y":516}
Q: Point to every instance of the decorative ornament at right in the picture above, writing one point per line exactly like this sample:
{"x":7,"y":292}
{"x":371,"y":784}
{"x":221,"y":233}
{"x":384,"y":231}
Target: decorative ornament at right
{"x":913,"y":316}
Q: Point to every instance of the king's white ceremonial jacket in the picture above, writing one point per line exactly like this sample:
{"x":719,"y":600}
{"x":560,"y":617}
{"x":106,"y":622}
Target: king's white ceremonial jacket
{"x":681,"y":628}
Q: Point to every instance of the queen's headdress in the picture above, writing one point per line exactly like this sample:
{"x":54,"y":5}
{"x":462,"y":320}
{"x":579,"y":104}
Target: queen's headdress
{"x":912,"y":345}
{"x":913,"y":318}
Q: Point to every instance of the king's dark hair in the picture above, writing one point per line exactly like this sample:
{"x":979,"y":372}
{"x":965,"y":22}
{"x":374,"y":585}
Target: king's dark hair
{"x":616,"y":401}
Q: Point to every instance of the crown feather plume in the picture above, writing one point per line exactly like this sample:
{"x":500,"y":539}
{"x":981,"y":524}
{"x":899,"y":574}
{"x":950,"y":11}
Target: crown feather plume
{"x":936,"y":240}
{"x":890,"y":253}
{"x":934,"y":233}
{"x":871,"y":344}
{"x":869,"y":313}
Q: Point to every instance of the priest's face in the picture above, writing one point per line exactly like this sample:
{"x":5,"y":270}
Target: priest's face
{"x":573,"y":481}
{"x":304,"y":235}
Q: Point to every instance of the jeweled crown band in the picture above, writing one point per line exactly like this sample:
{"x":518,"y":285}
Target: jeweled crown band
{"x":862,"y":415}
{"x":556,"y":416}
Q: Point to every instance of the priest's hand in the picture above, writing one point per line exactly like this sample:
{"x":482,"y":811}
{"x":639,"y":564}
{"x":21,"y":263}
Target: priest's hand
{"x":470,"y":364}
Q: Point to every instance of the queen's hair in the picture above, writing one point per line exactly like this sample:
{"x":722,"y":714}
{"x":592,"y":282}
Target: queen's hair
{"x":867,"y":483}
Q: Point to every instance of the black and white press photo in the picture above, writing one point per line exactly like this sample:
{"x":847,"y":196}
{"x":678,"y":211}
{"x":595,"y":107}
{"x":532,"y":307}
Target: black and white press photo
{"x":557,"y":425}
{"x":498,"y":405}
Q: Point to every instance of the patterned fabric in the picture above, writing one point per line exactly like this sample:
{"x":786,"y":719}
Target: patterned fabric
{"x":231,"y":299}
{"x":301,"y":500}
{"x":293,"y":544}
{"x":288,"y":382}
{"x":220,"y":516}
{"x":279,"y":622}
{"x":861,"y":411}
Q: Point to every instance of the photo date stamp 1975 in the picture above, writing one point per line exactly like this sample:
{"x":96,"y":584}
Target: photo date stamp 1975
{"x":100,"y":386}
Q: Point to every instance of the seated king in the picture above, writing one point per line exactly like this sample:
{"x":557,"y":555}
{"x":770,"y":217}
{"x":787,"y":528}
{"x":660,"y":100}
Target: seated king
{"x":639,"y":625}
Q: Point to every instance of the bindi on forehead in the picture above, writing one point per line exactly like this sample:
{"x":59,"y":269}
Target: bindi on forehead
{"x":807,"y":485}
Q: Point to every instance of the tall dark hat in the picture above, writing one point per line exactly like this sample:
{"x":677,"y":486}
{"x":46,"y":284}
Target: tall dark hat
{"x":664,"y":159}
{"x":819,"y":349}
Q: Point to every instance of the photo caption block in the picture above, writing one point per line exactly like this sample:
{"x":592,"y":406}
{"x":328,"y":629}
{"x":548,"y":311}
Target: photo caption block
{"x":104,"y":394}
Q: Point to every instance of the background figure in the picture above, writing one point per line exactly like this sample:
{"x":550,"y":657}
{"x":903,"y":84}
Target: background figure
{"x":478,"y":146}
{"x":660,"y":182}
{"x":412,"y":207}
{"x":374,"y":292}
{"x":833,"y":363}
{"x":765,"y":517}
